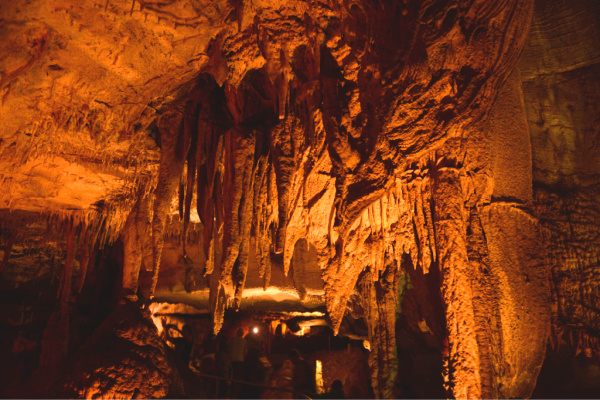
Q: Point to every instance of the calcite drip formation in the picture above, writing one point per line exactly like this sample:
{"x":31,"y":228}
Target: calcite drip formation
{"x":391,"y":137}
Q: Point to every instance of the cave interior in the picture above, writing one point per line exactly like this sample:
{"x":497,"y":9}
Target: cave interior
{"x":406,"y":191}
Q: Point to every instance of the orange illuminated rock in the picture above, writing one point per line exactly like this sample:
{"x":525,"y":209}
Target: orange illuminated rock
{"x":318,"y":150}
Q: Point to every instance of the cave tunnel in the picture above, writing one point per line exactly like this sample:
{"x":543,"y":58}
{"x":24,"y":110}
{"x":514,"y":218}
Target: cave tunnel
{"x":300,"y":199}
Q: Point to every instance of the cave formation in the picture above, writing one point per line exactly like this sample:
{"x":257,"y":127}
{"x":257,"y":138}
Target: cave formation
{"x":420,"y":166}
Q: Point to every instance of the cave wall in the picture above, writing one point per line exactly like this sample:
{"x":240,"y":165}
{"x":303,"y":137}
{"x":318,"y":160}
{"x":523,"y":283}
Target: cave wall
{"x":559,"y":70}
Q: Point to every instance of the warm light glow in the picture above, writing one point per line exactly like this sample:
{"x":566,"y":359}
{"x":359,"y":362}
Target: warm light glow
{"x":255,"y":330}
{"x":367,"y":345}
{"x":319,"y":377}
{"x":158,"y":323}
{"x":303,"y":331}
{"x":303,"y":314}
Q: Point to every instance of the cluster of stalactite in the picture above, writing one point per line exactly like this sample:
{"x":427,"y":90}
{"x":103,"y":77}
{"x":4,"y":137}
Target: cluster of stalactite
{"x":83,"y":234}
{"x":84,"y":238}
{"x":313,"y":134}
{"x":358,"y":129}
{"x":253,"y":143}
{"x":307,"y":122}
{"x":307,"y":144}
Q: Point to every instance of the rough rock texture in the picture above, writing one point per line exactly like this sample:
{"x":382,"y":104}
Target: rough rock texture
{"x":124,"y":358}
{"x":389,"y":139}
{"x":560,"y":69}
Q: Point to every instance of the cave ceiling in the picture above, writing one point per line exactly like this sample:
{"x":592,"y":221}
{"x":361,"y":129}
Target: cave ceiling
{"x":331,"y":150}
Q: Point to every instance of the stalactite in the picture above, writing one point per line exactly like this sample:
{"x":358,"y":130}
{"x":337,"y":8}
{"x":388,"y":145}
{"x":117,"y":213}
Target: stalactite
{"x":132,"y":253}
{"x":88,"y":256}
{"x":284,"y":167}
{"x":410,"y":230}
{"x":239,"y":167}
{"x":259,"y":233}
{"x":426,"y":195}
{"x":181,"y":196}
{"x":297,"y":228}
{"x":217,"y":296}
{"x":377,"y":241}
{"x":298,"y":268}
{"x":380,"y":293}
{"x":464,"y":358}
{"x":272,"y":220}
{"x":65,"y":288}
{"x":352,"y":255}
{"x":420,"y":224}
{"x":272,"y":198}
{"x":210,"y":146}
{"x":175,"y":145}
{"x":84,"y":254}
{"x":190,"y":123}
{"x":247,"y":205}
{"x":218,"y":308}
{"x":205,"y":206}
{"x":55,"y":340}
{"x":384,"y":204}
{"x":219,"y":228}
{"x":144,"y":223}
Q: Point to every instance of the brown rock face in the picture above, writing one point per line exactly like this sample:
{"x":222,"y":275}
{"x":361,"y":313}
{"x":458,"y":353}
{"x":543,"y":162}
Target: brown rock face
{"x":560,"y":82}
{"x":380,"y":141}
{"x":124,"y":358}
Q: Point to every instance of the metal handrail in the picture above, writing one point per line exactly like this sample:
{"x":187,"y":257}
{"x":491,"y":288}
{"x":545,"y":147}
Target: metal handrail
{"x":295,"y":392}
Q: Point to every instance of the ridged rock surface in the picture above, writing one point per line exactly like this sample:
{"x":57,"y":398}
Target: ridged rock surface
{"x":560,"y":69}
{"x":375,"y":140}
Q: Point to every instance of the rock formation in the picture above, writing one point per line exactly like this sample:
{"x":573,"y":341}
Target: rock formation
{"x":431,"y":141}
